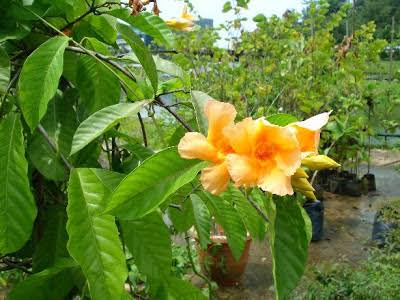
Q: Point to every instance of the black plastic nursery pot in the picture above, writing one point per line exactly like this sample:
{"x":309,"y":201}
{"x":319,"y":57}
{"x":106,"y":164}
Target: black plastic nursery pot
{"x":337,"y":185}
{"x":369,"y":183}
{"x":315,"y":211}
{"x":381,"y":229}
{"x":323,"y":177}
{"x":353,"y":187}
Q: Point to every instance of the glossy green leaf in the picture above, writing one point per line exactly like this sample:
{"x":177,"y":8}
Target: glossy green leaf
{"x":281,"y":119}
{"x":97,"y":85}
{"x":289,"y":240}
{"x":39,"y":78}
{"x":181,"y":216}
{"x":202,"y":220}
{"x":148,"y":240}
{"x":142,"y":53}
{"x":251,"y":219}
{"x":150,"y":184}
{"x":5,"y":70}
{"x":230,"y":220}
{"x":17,"y":206}
{"x":175,"y":288}
{"x":93,"y":236}
{"x":104,"y":26}
{"x":101,"y":121}
{"x":199,"y":100}
{"x":53,"y":244}
{"x":148,"y":23}
{"x":53,"y":283}
{"x":60,"y":123}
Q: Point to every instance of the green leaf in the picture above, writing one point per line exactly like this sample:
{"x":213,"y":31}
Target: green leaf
{"x":39,"y":78}
{"x":142,"y":53}
{"x":168,"y":67}
{"x":97,"y":85}
{"x":230,"y":220}
{"x":281,"y":119}
{"x":53,"y":283}
{"x":147,"y":23}
{"x":138,"y":150}
{"x":288,"y":234}
{"x":199,"y":100}
{"x":104,"y":26}
{"x":150,"y":184}
{"x":5,"y":70}
{"x":202,"y":220}
{"x":259,"y":18}
{"x":102,"y":121}
{"x":252,"y":220}
{"x":148,"y":240}
{"x":93,"y":236}
{"x":53,"y":244}
{"x":227,"y":7}
{"x":174,"y":288}
{"x":60,"y":123}
{"x":17,"y":206}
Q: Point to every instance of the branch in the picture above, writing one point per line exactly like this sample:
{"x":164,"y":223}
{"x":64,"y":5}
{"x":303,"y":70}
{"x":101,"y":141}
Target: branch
{"x":143,"y":129}
{"x":178,"y":118}
{"x":54,"y":146}
{"x":92,"y":9}
{"x":103,"y":58}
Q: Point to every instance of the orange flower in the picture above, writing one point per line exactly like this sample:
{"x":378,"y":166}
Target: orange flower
{"x":184,"y":22}
{"x":265,"y":155}
{"x":214,"y":148}
{"x":308,"y":133}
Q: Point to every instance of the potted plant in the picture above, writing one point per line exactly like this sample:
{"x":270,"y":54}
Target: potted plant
{"x":219,"y":263}
{"x":386,"y":219}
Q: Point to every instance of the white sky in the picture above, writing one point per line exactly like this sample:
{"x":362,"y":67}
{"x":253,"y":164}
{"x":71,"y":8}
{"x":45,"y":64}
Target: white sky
{"x":213,"y":9}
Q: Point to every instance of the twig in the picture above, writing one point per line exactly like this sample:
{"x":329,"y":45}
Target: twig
{"x":257,"y":208}
{"x":9,"y":87}
{"x":178,"y":118}
{"x":143,"y":129}
{"x":103,"y":58}
{"x":92,"y":9}
{"x":54,"y":146}
{"x":12,"y":265}
{"x":205,"y":278}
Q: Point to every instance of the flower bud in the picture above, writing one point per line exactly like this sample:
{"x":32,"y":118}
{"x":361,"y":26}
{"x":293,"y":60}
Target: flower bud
{"x":300,"y":173}
{"x":319,"y":162}
{"x":302,"y":184}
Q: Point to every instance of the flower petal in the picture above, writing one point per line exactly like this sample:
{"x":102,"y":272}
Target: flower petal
{"x":280,"y":145}
{"x":244,"y":170}
{"x":315,"y":123}
{"x":195,"y":145}
{"x":276,"y":182}
{"x":241,"y":136}
{"x":308,"y":140}
{"x":215,"y":178}
{"x":220,"y":115}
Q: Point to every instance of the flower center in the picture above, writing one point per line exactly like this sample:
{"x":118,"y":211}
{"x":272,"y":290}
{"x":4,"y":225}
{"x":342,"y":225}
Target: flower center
{"x":265,"y":151}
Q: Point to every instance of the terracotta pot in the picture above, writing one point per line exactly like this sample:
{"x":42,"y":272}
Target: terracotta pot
{"x":219,"y":264}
